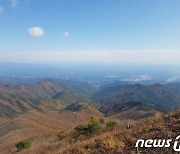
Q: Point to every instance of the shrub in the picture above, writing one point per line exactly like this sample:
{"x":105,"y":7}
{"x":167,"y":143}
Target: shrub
{"x":112,"y":124}
{"x":92,"y":127}
{"x":62,"y":135}
{"x":81,"y":128}
{"x":23,"y":145}
{"x":101,"y":121}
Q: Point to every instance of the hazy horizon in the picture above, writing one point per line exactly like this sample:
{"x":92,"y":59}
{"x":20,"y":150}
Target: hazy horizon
{"x":92,"y":72}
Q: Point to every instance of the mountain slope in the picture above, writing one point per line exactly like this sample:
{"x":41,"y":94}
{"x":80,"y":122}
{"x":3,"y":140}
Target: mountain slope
{"x":117,"y":141}
{"x":41,"y":127}
{"x":174,"y":86}
{"x":42,"y":96}
{"x":83,"y":88}
{"x":158,"y":96}
{"x":129,"y":110}
{"x":83,"y":107}
{"x":122,"y":141}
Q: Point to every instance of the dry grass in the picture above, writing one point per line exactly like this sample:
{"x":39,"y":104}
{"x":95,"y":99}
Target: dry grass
{"x":121,"y":140}
{"x":39,"y":128}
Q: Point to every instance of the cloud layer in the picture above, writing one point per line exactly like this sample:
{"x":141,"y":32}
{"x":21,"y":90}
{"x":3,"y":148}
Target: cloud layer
{"x":36,"y":32}
{"x":122,"y":56}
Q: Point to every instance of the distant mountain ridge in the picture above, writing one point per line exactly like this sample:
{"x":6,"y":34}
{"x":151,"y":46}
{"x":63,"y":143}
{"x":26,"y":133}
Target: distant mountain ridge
{"x":157,"y":96}
{"x":113,"y":99}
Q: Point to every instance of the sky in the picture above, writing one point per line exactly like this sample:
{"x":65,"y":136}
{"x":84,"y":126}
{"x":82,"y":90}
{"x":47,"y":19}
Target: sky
{"x":136,"y":31}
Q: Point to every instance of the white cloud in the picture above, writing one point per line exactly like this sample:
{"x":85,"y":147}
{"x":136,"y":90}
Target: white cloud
{"x":1,"y":9}
{"x":14,"y":3}
{"x":36,"y":32}
{"x":66,"y":34}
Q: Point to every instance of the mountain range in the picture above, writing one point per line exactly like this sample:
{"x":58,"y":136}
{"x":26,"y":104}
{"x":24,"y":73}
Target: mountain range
{"x":115,"y":99}
{"x":42,"y":96}
{"x":48,"y":95}
{"x":38,"y":111}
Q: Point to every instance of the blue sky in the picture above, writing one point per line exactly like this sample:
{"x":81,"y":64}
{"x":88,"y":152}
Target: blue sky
{"x":89,"y":27}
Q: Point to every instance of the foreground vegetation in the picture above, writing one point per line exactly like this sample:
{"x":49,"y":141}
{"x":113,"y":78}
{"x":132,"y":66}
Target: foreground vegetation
{"x":111,"y":137}
{"x":123,"y":140}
